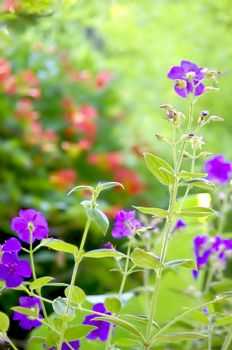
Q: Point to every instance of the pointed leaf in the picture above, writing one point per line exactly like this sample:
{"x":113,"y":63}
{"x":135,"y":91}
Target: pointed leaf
{"x":96,"y":216}
{"x":144,"y":259}
{"x":4,"y":322}
{"x":161,"y":213}
{"x":126,"y":342}
{"x":60,"y":307}
{"x":26,"y":311}
{"x":104,"y":253}
{"x":176,"y":337}
{"x":199,"y":212}
{"x":160,"y":169}
{"x":81,"y":188}
{"x":40,"y":282}
{"x":198,"y":182}
{"x":223,"y":321}
{"x":189,"y":176}
{"x":77,"y":332}
{"x":107,"y":185}
{"x":186,"y":263}
{"x":58,"y":245}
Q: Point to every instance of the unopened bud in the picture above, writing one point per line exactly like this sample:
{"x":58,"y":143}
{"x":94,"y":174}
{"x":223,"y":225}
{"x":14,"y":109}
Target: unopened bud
{"x":187,"y":137}
{"x":215,"y":118}
{"x":205,"y":154}
{"x":197,"y":142}
{"x":187,"y":155}
{"x":204,"y":113}
{"x":167,"y":107}
{"x":162,"y":138}
{"x":210,"y":89}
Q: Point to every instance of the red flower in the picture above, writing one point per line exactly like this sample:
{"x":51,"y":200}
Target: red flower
{"x":5,"y":69}
{"x":24,"y":110}
{"x":102,"y":79}
{"x":130,"y":180}
{"x":11,"y":5}
{"x":64,"y":178}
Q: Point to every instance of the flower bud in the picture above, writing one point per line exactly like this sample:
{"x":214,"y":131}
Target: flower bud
{"x":186,"y":155}
{"x":204,"y":154}
{"x":210,"y":89}
{"x":197,"y":142}
{"x":167,"y":107}
{"x":187,"y":137}
{"x":162,"y":138}
{"x":215,"y":118}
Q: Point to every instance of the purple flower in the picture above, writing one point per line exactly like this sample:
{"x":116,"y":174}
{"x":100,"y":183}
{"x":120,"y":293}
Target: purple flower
{"x":103,"y":327}
{"x":12,"y":270}
{"x":11,"y":245}
{"x":218,"y":169}
{"x":75,"y":344}
{"x":27,"y":322}
{"x":180,"y":224}
{"x":107,"y":245}
{"x":206,"y":247}
{"x":187,"y":79}
{"x":125,"y":224}
{"x":30,"y":223}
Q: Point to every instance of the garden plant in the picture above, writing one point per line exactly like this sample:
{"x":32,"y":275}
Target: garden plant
{"x":74,"y":320}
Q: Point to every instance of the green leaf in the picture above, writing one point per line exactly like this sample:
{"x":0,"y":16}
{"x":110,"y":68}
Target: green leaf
{"x":52,"y":339}
{"x":126,"y":342}
{"x":58,"y":245}
{"x":60,"y":307}
{"x":81,"y":188}
{"x":4,"y":322}
{"x":187,"y":263}
{"x":159,"y":168}
{"x":200,"y":317}
{"x":112,"y":305}
{"x":223,"y":321}
{"x":107,"y":185}
{"x":77,"y":332}
{"x":40,"y":282}
{"x":161,"y":213}
{"x":37,"y":340}
{"x":224,"y":295}
{"x":176,"y":337}
{"x":146,"y":260}
{"x":104,"y":253}
{"x":199,"y":212}
{"x":198,"y":182}
{"x":189,"y":176}
{"x":123,"y":324}
{"x":25,"y":311}
{"x":78,"y":295}
{"x":96,"y":216}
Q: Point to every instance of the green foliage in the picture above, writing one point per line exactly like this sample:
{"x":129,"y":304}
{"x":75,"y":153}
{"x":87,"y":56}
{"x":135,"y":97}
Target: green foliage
{"x":4,"y":322}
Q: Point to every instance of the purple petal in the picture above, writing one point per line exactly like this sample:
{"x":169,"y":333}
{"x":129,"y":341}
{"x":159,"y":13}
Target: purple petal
{"x":199,"y":89}
{"x":17,"y":316}
{"x":195,"y":274}
{"x":176,"y":73}
{"x":27,"y":215}
{"x":3,"y":271}
{"x":11,"y":244}
{"x":10,"y":258}
{"x":40,"y":232}
{"x":13,"y":280}
{"x":25,"y":236}
{"x":17,"y":224}
{"x":180,"y":91}
{"x":26,"y":324}
{"x":189,"y":67}
{"x":24,"y":268}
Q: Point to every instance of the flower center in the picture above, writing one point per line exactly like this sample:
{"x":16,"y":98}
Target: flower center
{"x":190,"y":75}
{"x":30,"y":226}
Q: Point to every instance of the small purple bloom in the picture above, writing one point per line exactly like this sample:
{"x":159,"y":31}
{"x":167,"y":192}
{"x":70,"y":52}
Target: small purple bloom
{"x":30,"y":222}
{"x":103,"y":327}
{"x":12,"y":270}
{"x":27,"y":322}
{"x":206,"y":247}
{"x":125,"y":224}
{"x":180,"y":224}
{"x":218,"y":169}
{"x":187,"y":79}
{"x":75,"y":345}
{"x":11,"y":245}
{"x":107,"y":245}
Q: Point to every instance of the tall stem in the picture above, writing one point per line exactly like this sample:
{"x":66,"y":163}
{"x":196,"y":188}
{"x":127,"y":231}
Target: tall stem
{"x":73,"y":279}
{"x":10,"y":342}
{"x":108,"y":342}
{"x":168,"y":227}
{"x":228,"y":340}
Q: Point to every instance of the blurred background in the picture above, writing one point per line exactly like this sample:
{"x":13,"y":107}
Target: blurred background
{"x":81,"y":83}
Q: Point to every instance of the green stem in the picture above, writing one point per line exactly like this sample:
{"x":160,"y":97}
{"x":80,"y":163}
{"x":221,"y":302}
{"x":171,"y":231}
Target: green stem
{"x":228,"y":340}
{"x":122,"y":286}
{"x":10,"y":342}
{"x":73,"y":279}
{"x":168,"y":226}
